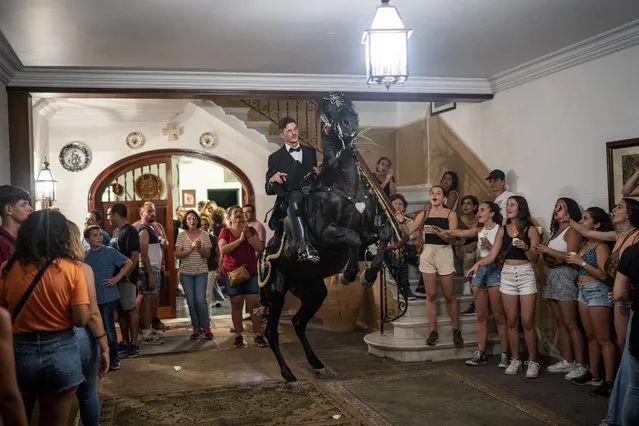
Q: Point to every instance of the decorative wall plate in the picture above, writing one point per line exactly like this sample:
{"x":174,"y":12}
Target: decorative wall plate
{"x":148,"y":186}
{"x":75,"y":156}
{"x":208,"y":140}
{"x":135,"y":140}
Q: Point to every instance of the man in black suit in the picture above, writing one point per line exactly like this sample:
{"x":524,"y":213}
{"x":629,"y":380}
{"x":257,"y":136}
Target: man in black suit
{"x":289,"y":176}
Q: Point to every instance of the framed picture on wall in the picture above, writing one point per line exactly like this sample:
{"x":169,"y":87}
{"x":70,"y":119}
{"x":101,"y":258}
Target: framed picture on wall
{"x":188,"y":198}
{"x":623,"y":165}
{"x":437,"y":108}
{"x":229,"y":177}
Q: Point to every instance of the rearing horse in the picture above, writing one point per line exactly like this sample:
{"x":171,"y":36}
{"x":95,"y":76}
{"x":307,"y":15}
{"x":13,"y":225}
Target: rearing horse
{"x":342,"y":217}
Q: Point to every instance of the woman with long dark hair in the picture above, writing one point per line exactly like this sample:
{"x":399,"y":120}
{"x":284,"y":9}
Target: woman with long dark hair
{"x":518,"y":285}
{"x":560,"y":287}
{"x":450,"y":182}
{"x":485,"y":283}
{"x":47,"y":356}
{"x":625,"y":218}
{"x":437,"y":261}
{"x":595,"y":307}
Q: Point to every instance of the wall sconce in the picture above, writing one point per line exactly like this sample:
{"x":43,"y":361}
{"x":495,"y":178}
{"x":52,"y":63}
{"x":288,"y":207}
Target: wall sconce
{"x":386,"y":44}
{"x":45,"y":186}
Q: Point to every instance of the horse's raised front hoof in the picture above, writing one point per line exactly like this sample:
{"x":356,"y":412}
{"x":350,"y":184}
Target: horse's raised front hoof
{"x":347,"y":277}
{"x":367,"y":278}
{"x":320,"y":373}
{"x":293,"y":387}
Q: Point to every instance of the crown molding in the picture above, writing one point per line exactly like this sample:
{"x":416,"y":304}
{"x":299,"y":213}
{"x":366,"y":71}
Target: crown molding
{"x":84,"y":78}
{"x":587,"y":50}
{"x":10,"y":64}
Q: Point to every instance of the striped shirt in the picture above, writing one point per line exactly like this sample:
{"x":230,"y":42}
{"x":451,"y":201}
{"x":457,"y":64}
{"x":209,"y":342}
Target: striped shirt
{"x":194,"y":263}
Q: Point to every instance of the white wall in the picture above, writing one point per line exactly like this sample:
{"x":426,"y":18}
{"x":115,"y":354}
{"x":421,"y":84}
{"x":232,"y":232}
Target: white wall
{"x":549,"y":135}
{"x":191,"y":177}
{"x":390,"y":114}
{"x":106,"y":139}
{"x":5,"y":171}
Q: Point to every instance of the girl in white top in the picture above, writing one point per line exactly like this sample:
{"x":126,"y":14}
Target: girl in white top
{"x":485,"y":283}
{"x":561,"y":290}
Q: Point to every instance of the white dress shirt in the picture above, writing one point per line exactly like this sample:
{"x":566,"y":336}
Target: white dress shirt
{"x":296,"y":155}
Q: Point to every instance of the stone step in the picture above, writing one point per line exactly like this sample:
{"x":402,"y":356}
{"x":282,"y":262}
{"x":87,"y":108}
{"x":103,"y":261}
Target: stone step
{"x":412,"y":350}
{"x":417,"y":307}
{"x":259,"y":126}
{"x":419,"y":329}
{"x":241,"y":113}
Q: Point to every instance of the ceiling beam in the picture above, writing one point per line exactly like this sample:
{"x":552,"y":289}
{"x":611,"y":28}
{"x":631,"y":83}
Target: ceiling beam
{"x":198,"y":84}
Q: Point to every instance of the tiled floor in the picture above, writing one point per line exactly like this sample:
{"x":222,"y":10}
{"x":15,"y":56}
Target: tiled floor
{"x":349,"y":365}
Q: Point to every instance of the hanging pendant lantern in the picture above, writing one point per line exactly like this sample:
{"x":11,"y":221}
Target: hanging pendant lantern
{"x":386,"y":44}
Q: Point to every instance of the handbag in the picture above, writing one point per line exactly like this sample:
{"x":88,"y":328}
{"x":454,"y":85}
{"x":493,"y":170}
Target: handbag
{"x":238,"y":275}
{"x":27,"y":294}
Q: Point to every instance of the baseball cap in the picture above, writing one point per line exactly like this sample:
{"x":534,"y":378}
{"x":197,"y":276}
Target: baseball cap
{"x":496,"y":174}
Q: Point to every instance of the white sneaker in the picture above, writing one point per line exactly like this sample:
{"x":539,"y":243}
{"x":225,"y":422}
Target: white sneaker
{"x":504,"y":362}
{"x":562,"y":366}
{"x":532,"y":372}
{"x":467,"y":289}
{"x":514,"y":367}
{"x":578,"y":371}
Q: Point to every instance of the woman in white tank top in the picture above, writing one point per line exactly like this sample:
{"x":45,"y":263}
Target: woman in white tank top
{"x":485,"y":283}
{"x":561,"y":289}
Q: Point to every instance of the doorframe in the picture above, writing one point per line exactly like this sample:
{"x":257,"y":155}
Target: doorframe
{"x":105,"y":178}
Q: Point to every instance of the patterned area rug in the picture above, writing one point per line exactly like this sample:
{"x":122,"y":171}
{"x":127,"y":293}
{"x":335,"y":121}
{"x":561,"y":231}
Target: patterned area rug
{"x":265,"y":404}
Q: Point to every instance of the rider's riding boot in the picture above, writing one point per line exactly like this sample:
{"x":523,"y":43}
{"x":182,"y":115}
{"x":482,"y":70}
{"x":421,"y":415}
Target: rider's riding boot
{"x":306,"y":251}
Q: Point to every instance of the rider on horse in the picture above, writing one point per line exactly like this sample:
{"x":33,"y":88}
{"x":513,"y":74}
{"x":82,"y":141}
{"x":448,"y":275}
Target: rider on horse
{"x":289,"y":174}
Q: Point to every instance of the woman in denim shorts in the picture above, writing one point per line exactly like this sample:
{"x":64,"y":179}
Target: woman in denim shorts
{"x":485,"y":283}
{"x":47,"y":356}
{"x":595,"y":308}
{"x":238,"y":244}
{"x":561,"y":290}
{"x":518,"y":284}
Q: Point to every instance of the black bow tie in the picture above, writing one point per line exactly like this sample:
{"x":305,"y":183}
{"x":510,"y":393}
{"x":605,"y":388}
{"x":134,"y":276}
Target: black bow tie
{"x":298,"y":149}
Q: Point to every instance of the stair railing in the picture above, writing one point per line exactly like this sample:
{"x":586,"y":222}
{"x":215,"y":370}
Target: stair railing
{"x":305,"y":112}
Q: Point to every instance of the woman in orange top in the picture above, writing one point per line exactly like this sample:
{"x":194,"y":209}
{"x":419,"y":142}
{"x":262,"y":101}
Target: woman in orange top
{"x":46,"y":352}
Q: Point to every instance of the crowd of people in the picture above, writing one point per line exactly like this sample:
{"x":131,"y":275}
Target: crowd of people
{"x":592,"y":280}
{"x":62,"y":291}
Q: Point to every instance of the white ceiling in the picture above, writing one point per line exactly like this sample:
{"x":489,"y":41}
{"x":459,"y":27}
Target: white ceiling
{"x":452,"y":38}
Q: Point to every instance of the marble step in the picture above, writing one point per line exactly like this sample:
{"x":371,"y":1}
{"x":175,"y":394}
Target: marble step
{"x":241,"y":113}
{"x":419,"y":329}
{"x":417,"y":307}
{"x":260,"y":126}
{"x":411,"y":350}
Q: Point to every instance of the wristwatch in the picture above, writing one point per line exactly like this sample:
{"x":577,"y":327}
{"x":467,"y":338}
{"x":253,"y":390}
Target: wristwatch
{"x":583,"y":264}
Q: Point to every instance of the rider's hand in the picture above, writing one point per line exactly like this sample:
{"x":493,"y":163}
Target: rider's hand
{"x":278,"y":177}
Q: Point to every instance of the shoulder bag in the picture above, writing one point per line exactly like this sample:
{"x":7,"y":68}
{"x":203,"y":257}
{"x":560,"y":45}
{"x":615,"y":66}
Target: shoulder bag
{"x":27,"y":294}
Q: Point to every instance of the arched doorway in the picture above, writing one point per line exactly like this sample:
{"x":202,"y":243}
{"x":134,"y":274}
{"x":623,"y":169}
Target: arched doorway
{"x":153,"y":176}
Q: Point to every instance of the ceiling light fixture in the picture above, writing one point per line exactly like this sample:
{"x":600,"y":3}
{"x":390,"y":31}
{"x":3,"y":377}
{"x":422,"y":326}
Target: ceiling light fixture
{"x":386,"y":47}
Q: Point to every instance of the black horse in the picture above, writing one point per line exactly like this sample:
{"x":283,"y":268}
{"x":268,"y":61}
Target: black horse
{"x":343,"y":216}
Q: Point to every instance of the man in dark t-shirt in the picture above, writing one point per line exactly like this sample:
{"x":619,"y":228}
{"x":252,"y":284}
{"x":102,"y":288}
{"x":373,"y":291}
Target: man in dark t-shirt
{"x":627,"y":288}
{"x":126,"y":240}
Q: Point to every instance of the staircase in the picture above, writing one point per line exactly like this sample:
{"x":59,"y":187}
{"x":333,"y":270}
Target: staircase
{"x":406,"y":341}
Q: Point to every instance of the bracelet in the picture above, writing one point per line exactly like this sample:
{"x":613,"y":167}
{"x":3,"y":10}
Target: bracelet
{"x":99,"y":337}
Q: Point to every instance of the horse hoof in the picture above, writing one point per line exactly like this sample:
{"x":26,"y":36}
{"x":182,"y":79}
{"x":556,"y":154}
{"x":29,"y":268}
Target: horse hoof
{"x":320,"y":373}
{"x":364,"y":281}
{"x":342,"y":279}
{"x":293,"y":387}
